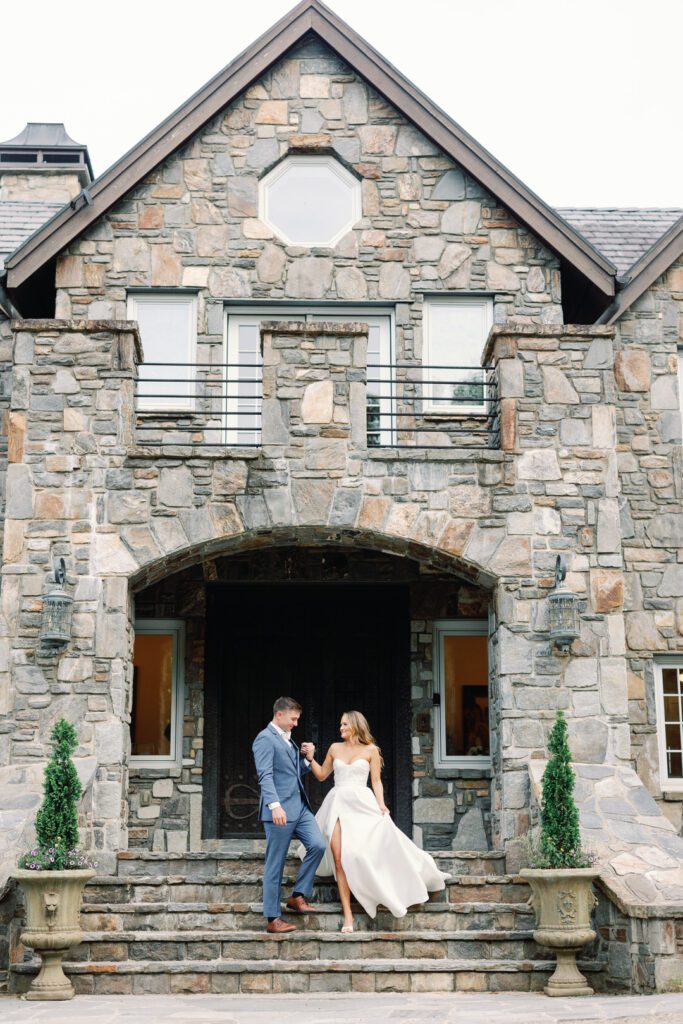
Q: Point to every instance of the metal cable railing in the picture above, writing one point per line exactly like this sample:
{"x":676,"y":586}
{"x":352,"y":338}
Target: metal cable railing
{"x":408,"y":405}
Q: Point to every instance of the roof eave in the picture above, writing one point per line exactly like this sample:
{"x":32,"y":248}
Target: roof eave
{"x":651,"y":265}
{"x":250,"y":65}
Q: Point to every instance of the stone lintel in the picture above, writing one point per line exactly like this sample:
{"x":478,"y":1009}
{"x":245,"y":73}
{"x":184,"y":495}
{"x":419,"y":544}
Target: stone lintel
{"x":334,"y":327}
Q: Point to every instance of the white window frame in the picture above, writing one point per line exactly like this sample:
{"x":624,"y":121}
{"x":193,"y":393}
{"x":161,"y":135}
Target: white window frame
{"x":443,"y":628}
{"x":339,"y":170}
{"x":184,"y":404}
{"x":176,"y":627}
{"x":667,"y":785}
{"x":383,"y":316}
{"x":435,"y":408}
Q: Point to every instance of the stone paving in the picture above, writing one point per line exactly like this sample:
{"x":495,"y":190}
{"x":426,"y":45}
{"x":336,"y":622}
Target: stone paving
{"x":465,"y":1008}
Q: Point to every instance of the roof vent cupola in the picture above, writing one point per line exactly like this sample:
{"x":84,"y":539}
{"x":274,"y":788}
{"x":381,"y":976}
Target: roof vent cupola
{"x":43,"y":163}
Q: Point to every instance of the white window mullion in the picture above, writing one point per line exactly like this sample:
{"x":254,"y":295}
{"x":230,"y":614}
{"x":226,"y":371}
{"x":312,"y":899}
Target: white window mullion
{"x":668,"y":677}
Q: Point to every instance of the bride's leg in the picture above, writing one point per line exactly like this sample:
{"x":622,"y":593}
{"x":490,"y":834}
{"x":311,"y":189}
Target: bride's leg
{"x":342,"y":884}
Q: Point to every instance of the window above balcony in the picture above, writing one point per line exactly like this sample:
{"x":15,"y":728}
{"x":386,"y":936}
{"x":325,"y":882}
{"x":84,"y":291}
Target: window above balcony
{"x":310,"y":200}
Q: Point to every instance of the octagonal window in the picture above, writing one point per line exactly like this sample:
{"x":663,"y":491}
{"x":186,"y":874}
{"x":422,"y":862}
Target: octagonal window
{"x":310,"y":200}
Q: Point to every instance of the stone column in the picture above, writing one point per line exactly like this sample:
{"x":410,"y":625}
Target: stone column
{"x":314,"y":411}
{"x":560,"y":494}
{"x":71,"y":424}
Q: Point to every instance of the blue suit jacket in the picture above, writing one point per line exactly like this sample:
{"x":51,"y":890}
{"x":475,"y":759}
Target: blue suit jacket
{"x":280,"y":769}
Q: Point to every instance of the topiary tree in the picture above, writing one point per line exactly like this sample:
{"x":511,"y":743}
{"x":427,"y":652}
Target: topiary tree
{"x":57,"y":819}
{"x":560,"y":845}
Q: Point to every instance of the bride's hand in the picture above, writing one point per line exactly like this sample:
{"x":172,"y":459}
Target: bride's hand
{"x":384,"y":809}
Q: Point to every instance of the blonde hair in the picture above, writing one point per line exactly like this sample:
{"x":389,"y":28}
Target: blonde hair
{"x":361,"y":729}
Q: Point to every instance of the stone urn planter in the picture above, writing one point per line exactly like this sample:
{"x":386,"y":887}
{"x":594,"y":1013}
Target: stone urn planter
{"x":53,"y":926}
{"x":54,"y":873}
{"x":563,"y":899}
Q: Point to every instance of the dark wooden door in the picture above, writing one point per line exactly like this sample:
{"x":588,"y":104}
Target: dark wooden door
{"x":334,"y":648}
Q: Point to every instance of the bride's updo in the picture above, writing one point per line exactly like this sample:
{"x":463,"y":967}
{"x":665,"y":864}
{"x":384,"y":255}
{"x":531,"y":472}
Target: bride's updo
{"x":361,"y":730}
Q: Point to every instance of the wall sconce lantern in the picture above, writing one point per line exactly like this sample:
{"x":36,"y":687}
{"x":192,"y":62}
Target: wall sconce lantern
{"x":564,"y":612}
{"x":55,"y":631}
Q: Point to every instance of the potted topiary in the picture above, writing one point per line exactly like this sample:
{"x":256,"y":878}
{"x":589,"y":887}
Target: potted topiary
{"x":562,"y":875}
{"x":55,"y":872}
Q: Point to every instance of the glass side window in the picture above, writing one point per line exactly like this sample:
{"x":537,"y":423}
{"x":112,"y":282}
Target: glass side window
{"x":168,"y":331}
{"x":461,"y":688}
{"x":455,"y":332}
{"x":669,"y":684}
{"x":156,"y":716}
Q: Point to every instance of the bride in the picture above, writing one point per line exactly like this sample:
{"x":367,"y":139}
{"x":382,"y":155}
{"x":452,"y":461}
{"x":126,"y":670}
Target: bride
{"x":367,"y":854}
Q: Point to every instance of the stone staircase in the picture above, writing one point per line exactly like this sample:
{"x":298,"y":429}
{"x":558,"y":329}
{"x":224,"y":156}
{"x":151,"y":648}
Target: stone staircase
{"x":192,"y":923}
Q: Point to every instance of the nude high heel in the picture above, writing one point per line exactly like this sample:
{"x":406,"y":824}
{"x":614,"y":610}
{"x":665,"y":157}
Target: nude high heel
{"x":346,"y":929}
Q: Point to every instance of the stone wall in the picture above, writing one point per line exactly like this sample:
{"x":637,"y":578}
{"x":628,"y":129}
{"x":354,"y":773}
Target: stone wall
{"x":649,"y":431}
{"x":193,"y":222}
{"x":125,"y":518}
{"x":6,"y":349}
{"x":69,"y":427}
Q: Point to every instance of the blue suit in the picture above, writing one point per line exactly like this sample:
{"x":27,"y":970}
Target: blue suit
{"x":280,"y":767}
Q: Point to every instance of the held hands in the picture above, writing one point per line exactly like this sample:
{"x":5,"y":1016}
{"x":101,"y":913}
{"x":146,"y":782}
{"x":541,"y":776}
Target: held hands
{"x":308,"y":750}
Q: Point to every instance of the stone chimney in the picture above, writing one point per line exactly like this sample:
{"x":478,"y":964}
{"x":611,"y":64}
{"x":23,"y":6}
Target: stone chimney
{"x":43,"y":164}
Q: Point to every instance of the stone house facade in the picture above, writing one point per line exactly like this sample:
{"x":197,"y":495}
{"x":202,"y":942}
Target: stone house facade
{"x":429,"y":536}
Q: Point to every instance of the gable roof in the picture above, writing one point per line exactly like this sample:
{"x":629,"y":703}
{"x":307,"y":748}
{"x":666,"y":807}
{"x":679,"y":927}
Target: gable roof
{"x":312,"y":16}
{"x":622,"y":234}
{"x":18,"y":221}
{"x":652,"y":264}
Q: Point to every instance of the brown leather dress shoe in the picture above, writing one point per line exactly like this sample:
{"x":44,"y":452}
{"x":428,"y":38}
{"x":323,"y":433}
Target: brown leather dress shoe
{"x":278,"y":926}
{"x":299,"y":905}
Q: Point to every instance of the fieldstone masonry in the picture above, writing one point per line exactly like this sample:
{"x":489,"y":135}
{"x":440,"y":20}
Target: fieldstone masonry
{"x":82,"y":490}
{"x":589,"y":465}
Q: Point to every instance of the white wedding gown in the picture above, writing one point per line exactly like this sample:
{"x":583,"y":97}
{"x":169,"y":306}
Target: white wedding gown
{"x":381,"y":864}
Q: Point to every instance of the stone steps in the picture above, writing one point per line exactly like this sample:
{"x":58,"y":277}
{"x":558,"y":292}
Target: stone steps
{"x":193,"y":923}
{"x":114,"y":947}
{"x":333,"y":975}
{"x":250,"y":862}
{"x":248,"y":888}
{"x":168,"y":916}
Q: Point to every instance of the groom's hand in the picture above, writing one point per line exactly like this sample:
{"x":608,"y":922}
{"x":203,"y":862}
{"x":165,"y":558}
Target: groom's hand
{"x":279,"y":816}
{"x":308,"y":750}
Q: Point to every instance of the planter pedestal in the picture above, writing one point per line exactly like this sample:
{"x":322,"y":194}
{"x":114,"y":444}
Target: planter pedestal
{"x":53,"y":905}
{"x":563,"y":899}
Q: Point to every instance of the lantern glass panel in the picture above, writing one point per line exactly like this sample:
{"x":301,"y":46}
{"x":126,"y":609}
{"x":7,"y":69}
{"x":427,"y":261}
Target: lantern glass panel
{"x":55,"y":626}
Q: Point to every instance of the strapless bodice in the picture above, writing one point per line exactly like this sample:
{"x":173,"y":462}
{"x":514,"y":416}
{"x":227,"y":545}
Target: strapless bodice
{"x":354,"y":774}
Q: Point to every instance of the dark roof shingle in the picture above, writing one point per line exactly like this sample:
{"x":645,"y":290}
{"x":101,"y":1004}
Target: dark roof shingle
{"x":623,"y":234}
{"x":19,"y":219}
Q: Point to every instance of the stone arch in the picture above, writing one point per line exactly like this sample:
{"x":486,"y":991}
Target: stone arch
{"x":438,"y":558}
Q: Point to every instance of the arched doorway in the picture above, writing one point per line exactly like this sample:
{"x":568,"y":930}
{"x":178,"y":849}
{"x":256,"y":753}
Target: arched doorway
{"x":337,"y":620}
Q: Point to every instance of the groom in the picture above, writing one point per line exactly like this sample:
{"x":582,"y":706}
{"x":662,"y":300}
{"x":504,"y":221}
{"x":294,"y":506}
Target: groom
{"x":285,"y":812}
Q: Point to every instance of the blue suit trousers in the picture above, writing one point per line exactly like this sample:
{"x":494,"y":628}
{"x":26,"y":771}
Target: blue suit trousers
{"x":278,"y":837}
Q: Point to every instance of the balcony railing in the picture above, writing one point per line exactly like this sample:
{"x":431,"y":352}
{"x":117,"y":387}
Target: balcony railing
{"x":413,"y":405}
{"x":408,"y":405}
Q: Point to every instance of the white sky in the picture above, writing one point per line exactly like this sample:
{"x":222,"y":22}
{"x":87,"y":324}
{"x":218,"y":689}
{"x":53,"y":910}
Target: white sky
{"x":580,"y":98}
